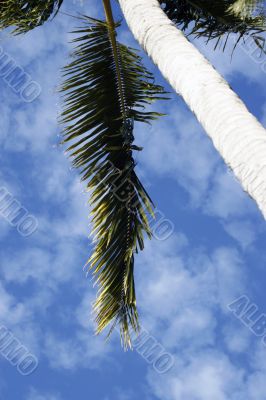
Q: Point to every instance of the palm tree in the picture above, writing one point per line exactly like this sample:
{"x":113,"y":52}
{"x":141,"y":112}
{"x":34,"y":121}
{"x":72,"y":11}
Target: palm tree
{"x":236,"y":133}
{"x":106,"y":88}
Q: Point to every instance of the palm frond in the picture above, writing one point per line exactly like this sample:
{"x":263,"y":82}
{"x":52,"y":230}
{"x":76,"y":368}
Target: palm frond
{"x":217,"y":19}
{"x":25,"y":15}
{"x":105,"y":91}
{"x":246,"y":8}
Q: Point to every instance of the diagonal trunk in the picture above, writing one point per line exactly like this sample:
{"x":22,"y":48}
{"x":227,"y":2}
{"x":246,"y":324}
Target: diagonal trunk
{"x":235,"y":132}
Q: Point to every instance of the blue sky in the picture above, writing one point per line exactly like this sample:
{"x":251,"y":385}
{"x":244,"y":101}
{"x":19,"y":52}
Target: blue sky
{"x":215,"y":254}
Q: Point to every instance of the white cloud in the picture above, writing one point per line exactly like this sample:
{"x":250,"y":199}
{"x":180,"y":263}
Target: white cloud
{"x":263,"y":121}
{"x":36,"y":395}
{"x":183,"y":281}
{"x":226,"y":198}
{"x":256,"y":386}
{"x":182,"y":291}
{"x":237,"y":338}
{"x":83,"y":349}
{"x":243,"y":231}
{"x":11,"y":311}
{"x":183,"y":296}
{"x":246,"y":60}
{"x":176,"y":148}
{"x":205,"y":376}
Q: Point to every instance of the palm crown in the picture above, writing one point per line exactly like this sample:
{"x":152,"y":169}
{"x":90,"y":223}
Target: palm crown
{"x":217,"y":19}
{"x":106,"y":88}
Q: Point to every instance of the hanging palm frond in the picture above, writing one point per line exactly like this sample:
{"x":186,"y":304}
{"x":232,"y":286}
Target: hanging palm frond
{"x":25,"y":15}
{"x":217,"y":19}
{"x":105,"y":91}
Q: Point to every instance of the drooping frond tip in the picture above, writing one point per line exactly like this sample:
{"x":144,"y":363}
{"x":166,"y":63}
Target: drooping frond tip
{"x":25,"y":15}
{"x":101,"y":105}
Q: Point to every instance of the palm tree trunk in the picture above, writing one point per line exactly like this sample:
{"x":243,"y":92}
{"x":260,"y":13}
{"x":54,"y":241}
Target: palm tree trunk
{"x":235,"y":132}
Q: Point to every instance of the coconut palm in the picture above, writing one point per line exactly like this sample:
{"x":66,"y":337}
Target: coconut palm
{"x":236,"y":134}
{"x":106,"y":88}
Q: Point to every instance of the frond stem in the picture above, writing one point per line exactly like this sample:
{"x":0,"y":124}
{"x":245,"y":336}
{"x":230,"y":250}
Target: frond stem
{"x":112,"y":32}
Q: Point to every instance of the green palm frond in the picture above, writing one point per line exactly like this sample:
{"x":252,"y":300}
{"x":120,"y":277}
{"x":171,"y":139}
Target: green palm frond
{"x":25,"y":15}
{"x":105,"y":91}
{"x":246,"y":8}
{"x":217,"y":19}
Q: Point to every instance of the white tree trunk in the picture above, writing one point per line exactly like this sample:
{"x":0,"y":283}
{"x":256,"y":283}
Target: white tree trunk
{"x":235,"y":132}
